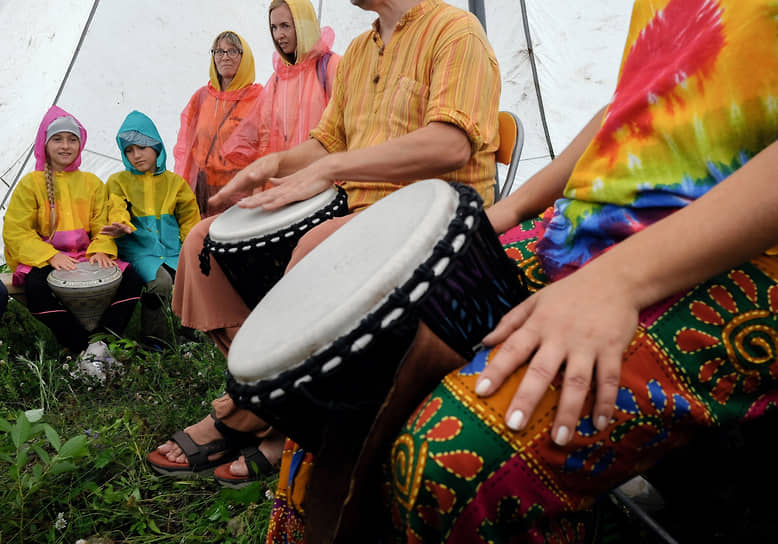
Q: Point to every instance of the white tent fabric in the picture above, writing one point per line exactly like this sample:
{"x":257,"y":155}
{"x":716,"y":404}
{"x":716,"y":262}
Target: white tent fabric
{"x":102,"y":59}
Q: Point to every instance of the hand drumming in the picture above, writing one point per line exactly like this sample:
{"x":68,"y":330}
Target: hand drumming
{"x":584,"y":323}
{"x":102,"y":260}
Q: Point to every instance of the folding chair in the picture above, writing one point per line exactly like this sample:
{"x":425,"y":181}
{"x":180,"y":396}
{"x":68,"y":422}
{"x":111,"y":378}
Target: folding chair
{"x":509,"y":152}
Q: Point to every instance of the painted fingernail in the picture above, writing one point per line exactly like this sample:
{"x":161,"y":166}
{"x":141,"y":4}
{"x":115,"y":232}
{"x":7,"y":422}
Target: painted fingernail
{"x":514,"y":422}
{"x":602,"y":423}
{"x":483,"y":387}
{"x":562,"y":436}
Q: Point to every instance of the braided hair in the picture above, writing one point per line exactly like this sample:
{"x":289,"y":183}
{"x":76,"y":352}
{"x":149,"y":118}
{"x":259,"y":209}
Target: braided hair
{"x":49,"y":174}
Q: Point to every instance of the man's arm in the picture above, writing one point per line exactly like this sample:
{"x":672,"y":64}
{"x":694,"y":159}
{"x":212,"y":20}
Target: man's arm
{"x":254,"y":176}
{"x":427,"y":152}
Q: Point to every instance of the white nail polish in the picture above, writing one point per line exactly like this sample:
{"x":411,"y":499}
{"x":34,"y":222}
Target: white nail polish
{"x":482,"y":387}
{"x":602,"y":423}
{"x":514,"y":422}
{"x":562,"y":436}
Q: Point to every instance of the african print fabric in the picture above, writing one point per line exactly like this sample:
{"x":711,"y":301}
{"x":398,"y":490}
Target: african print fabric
{"x":695,"y":100}
{"x":704,"y":358}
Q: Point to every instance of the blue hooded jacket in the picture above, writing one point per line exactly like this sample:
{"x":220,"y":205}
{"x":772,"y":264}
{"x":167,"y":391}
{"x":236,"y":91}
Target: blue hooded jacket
{"x":159,"y":206}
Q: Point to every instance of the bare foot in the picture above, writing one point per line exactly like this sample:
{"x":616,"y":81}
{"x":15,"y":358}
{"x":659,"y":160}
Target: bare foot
{"x":202,"y":432}
{"x":271,"y":447}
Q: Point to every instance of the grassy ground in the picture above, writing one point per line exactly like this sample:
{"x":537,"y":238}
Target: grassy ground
{"x":78,"y":470}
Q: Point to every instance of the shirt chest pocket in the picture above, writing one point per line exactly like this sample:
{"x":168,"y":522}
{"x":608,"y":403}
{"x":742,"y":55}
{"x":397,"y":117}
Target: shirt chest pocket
{"x":405,"y":106}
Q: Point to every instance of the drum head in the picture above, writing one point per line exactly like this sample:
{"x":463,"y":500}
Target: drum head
{"x":330,"y":291}
{"x":85,"y":276}
{"x":86,"y":291}
{"x":240,"y":224}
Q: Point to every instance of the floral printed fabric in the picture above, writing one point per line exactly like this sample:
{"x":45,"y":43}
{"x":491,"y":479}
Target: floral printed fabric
{"x":704,"y":358}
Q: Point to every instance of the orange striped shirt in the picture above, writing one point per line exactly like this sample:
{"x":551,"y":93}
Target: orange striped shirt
{"x":438,"y":66}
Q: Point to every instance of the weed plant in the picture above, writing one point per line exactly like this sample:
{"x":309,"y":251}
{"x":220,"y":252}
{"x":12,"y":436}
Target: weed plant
{"x":72,"y":451}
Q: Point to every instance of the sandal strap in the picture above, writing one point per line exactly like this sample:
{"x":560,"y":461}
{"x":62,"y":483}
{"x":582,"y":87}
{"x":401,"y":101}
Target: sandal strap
{"x":236,"y":439}
{"x":197,"y":454}
{"x":257,"y":459}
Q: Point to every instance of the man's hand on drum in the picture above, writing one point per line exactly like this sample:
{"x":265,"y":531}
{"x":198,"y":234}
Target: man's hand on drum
{"x":301,"y":185}
{"x":116,"y":229}
{"x":63,"y":261}
{"x":580,"y":325}
{"x":247,"y":182}
{"x":102,"y":260}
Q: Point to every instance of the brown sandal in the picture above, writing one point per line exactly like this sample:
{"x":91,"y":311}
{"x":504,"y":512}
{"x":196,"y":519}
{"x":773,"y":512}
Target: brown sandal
{"x":258,"y":468}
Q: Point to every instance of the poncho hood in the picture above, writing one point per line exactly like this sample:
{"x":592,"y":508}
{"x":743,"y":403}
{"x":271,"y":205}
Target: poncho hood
{"x":306,"y":26}
{"x":140,"y":130}
{"x":245,"y":74}
{"x":40,"y":139}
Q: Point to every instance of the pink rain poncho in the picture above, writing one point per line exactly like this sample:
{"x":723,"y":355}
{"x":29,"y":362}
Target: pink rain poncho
{"x":295,"y":95}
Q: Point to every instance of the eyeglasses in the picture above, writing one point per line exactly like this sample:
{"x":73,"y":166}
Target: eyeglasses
{"x":219,"y":53}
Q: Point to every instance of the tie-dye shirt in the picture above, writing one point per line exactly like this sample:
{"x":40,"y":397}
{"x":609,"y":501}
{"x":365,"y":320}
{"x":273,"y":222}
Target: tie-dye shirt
{"x":697,"y":97}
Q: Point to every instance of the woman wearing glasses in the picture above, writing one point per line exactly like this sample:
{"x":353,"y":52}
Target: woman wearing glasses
{"x":292,"y":103}
{"x":211,"y":116}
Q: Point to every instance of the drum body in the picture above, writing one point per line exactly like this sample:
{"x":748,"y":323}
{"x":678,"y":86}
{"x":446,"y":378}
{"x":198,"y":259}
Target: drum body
{"x":253,"y":246}
{"x":323,"y":346}
{"x":86,"y":291}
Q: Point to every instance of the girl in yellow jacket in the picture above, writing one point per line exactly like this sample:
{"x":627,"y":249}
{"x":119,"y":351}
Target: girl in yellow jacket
{"x":53,"y":221}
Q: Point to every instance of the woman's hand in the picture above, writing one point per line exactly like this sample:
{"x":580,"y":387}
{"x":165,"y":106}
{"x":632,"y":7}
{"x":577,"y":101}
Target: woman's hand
{"x":116,"y":229}
{"x":581,"y":324}
{"x":63,"y":261}
{"x":102,"y":260}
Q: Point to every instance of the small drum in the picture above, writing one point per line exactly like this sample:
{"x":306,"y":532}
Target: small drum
{"x":324,"y":344}
{"x":253,"y":246}
{"x":86,"y":291}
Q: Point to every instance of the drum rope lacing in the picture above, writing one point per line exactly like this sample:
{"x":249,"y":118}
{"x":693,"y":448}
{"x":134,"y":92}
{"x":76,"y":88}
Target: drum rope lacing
{"x":396,"y":308}
{"x":294,"y":231}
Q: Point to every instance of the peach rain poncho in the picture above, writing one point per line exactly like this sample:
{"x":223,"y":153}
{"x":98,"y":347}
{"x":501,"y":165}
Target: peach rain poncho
{"x":207,"y":122}
{"x":290,"y":106}
{"x":295,"y":95}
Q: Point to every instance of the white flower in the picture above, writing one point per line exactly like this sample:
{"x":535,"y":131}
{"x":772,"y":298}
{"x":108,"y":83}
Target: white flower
{"x":80,"y":541}
{"x":61,"y":522}
{"x":269,"y":494}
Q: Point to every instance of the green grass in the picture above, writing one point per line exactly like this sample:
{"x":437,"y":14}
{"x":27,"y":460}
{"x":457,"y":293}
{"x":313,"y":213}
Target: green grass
{"x":80,"y":471}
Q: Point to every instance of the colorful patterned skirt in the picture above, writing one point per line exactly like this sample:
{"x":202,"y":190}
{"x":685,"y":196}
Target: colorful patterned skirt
{"x":704,"y":358}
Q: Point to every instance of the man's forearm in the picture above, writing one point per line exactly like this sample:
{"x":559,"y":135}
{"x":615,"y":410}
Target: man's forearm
{"x":430,"y":151}
{"x":300,"y":156}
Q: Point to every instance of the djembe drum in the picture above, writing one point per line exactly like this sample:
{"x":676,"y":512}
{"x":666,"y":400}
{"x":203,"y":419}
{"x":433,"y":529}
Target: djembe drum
{"x":86,"y":291}
{"x":253,"y":246}
{"x":329,"y":356}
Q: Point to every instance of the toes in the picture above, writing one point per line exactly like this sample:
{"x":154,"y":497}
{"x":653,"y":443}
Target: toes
{"x":238,"y":467}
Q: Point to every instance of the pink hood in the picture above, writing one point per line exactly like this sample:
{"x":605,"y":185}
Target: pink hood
{"x":40,"y":140}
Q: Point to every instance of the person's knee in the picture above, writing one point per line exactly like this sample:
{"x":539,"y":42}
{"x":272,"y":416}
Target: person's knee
{"x":315,"y":236}
{"x":159,"y":290}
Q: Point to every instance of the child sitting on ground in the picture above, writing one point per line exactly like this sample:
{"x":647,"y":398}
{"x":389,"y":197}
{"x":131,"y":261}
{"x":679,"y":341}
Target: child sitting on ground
{"x":53,"y":221}
{"x":151,"y":211}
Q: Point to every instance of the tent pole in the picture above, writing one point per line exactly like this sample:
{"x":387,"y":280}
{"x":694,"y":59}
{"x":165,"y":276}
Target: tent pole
{"x":477,"y":8}
{"x":56,"y":98}
{"x":533,"y":66}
